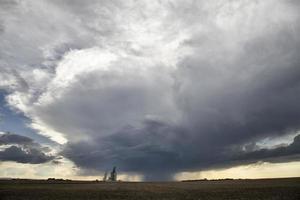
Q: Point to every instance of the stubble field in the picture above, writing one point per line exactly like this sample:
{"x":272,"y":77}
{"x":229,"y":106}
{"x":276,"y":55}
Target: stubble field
{"x":269,"y":189}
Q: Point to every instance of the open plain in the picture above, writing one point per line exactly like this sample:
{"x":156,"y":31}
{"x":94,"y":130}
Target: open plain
{"x":262,"y":189}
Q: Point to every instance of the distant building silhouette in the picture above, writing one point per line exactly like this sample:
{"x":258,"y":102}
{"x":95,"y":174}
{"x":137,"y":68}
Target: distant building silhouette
{"x":105,"y":176}
{"x":113,"y":175}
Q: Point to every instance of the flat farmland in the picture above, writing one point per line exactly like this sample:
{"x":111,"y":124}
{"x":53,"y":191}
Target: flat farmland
{"x":269,"y":189}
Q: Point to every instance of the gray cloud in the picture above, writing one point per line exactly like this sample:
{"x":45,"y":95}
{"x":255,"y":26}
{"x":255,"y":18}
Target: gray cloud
{"x":175,"y":86}
{"x":158,"y":151}
{"x":153,"y":150}
{"x":227,"y":97}
{"x":27,"y":155}
{"x":23,"y":150}
{"x":10,"y":138}
{"x":290,"y":152}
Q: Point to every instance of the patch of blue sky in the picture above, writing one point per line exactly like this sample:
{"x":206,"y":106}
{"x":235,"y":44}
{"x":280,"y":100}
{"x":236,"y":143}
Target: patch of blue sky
{"x":16,"y":122}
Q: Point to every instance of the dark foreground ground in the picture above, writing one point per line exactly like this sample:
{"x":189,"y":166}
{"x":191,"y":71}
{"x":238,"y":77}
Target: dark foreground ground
{"x":274,"y":189}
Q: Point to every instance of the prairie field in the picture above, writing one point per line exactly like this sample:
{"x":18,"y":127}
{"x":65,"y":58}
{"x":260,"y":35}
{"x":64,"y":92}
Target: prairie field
{"x":261,"y":189}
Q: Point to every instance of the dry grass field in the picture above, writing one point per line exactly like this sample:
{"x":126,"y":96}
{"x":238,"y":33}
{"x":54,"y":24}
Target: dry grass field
{"x":269,"y":189}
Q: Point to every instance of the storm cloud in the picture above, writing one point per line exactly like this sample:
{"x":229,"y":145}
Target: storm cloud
{"x":22,"y":149}
{"x":10,"y":138}
{"x":156,"y":88}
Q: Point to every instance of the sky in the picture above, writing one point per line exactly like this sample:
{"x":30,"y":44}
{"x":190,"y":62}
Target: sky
{"x":164,"y":90}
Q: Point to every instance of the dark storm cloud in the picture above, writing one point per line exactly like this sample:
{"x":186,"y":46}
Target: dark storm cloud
{"x":10,"y":138}
{"x":150,"y":150}
{"x":23,"y":150}
{"x":24,"y":155}
{"x":225,"y":103}
{"x":158,"y":151}
{"x":175,"y":86}
{"x":286,"y":153}
{"x":241,"y":105}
